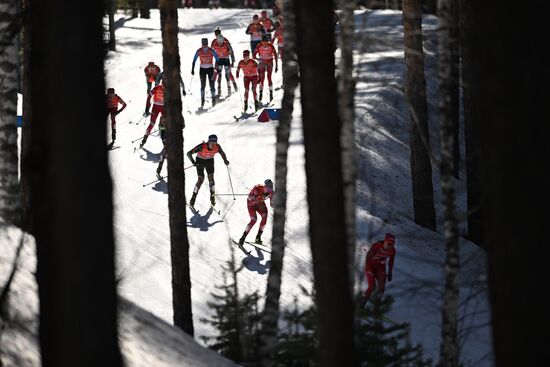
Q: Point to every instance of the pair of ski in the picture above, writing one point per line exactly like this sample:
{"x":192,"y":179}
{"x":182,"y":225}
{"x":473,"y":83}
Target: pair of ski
{"x":246,"y":115}
{"x":257,"y":245}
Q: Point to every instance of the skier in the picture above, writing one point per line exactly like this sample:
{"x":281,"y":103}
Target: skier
{"x":375,"y":266}
{"x":255,"y":30}
{"x":158,"y":108}
{"x":267,"y":54}
{"x":279,"y":35}
{"x":113,"y":100}
{"x":205,"y":159}
{"x":162,"y":130}
{"x":268,"y":24}
{"x":256,"y":203}
{"x":152,"y":74}
{"x":224,"y":50}
{"x":250,"y":72}
{"x":207,"y":56}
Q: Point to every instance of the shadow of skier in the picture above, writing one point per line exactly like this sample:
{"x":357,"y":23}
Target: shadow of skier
{"x":161,"y":186}
{"x":150,"y":156}
{"x":201,"y":222}
{"x":254,"y":263}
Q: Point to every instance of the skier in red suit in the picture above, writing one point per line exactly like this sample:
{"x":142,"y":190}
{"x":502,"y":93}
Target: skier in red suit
{"x":113,"y":100}
{"x":152,"y":74}
{"x":158,"y":108}
{"x":267,"y":54}
{"x":375,"y":265}
{"x":250,"y":71}
{"x":256,"y":203}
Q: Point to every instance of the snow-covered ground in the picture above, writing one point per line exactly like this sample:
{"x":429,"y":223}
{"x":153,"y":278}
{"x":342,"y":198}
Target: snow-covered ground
{"x":384,"y":186}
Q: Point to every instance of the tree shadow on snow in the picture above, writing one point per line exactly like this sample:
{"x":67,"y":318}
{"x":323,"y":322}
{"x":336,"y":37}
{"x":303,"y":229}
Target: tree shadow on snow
{"x":254,"y":263}
{"x":201,"y":221}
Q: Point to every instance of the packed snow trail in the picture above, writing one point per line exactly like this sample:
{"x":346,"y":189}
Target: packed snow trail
{"x":141,"y":213}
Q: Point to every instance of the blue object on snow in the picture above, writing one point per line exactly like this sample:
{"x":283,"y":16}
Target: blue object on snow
{"x":273,"y":113}
{"x":19,"y":121}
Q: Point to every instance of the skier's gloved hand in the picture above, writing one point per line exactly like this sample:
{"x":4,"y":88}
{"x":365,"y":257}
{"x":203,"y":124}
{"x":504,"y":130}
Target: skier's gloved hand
{"x":194,"y":163}
{"x":390,"y":275}
{"x":226,"y":162}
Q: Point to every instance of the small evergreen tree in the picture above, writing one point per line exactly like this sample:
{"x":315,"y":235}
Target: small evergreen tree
{"x":236,"y":318}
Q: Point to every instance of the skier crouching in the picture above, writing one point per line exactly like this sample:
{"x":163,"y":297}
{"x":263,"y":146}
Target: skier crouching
{"x":256,"y":203}
{"x":375,"y":266}
{"x":205,"y":159}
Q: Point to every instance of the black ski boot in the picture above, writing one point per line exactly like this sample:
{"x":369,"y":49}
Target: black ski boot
{"x":202,"y":102}
{"x":212,"y":198}
{"x":256,"y":105}
{"x":259,"y":238}
{"x":245,"y":106}
{"x":193,"y":198}
{"x":219,"y":89}
{"x":228,"y":89}
{"x":261,"y":95}
{"x":214,"y":100}
{"x":143,"y":141}
{"x":235,"y":86}
{"x":270,"y":95}
{"x":113,"y":135}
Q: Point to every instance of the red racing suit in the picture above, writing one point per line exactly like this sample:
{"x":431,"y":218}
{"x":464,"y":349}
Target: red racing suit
{"x":267,"y":54}
{"x":113,"y":100}
{"x":256,"y":203}
{"x":375,"y":266}
{"x":250,"y":71}
{"x":158,"y":105}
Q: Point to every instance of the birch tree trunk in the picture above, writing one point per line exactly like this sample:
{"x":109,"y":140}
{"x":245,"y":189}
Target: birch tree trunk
{"x":449,"y":343}
{"x":421,"y":166}
{"x":71,"y":188}
{"x":9,"y":76}
{"x":346,"y":110}
{"x":179,"y":242}
{"x":325,"y":191}
{"x":270,"y":315}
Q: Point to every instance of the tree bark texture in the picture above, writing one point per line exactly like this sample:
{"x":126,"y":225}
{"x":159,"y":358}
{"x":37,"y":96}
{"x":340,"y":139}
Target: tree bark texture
{"x":513,"y":96}
{"x":415,"y":89}
{"x":71,"y":188}
{"x":179,"y":242}
{"x":346,"y":109}
{"x":270,"y":315}
{"x":322,"y":129}
{"x":449,"y":348}
{"x":9,"y":80}
{"x":112,"y":36}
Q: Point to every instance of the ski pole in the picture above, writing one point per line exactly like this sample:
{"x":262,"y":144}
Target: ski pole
{"x":230,"y":183}
{"x":230,"y":206}
{"x":231,"y":194}
{"x":157,"y":180}
{"x":152,"y":132}
{"x":191,"y":84}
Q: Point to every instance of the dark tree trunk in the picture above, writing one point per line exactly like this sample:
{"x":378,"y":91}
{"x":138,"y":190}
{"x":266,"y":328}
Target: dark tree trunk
{"x":325,"y":189}
{"x":133,"y":4}
{"x":454,"y":104}
{"x":179,"y":242}
{"x":112,"y":9}
{"x":270,"y":315}
{"x":421,"y":166}
{"x":472,"y":122}
{"x":446,"y":85}
{"x":71,"y":188}
{"x":513,"y":87}
{"x":346,"y":109}
{"x":9,"y":85}
{"x":144,"y":9}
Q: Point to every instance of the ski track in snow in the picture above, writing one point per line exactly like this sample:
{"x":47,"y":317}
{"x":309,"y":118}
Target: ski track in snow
{"x":141,"y":213}
{"x":383,"y":189}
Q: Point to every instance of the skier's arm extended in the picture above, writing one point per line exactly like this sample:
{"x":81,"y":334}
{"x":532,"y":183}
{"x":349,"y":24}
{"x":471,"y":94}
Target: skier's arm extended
{"x":247,"y":30}
{"x":194,"y":61}
{"x":121,"y":101}
{"x":215,"y":55}
{"x":222,"y":153}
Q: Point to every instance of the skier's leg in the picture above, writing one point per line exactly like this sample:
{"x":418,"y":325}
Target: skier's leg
{"x":262,"y":209}
{"x":253,"y":218}
{"x":371,"y":283}
{"x":210,"y":171}
{"x":381,"y":280}
{"x":210,"y":72}
{"x":154,"y":114}
{"x":202,"y":74}
{"x":113,"y":124}
{"x":148,"y":86}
